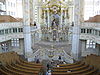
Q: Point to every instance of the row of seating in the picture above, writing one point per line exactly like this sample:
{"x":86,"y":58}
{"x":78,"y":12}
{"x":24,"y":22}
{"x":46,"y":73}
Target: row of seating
{"x":78,"y":68}
{"x":93,"y":60}
{"x":12,"y":64}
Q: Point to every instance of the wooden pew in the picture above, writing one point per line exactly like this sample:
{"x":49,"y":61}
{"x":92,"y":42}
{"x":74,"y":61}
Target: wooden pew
{"x":70,"y":67}
{"x":24,"y":67}
{"x":73,"y":69}
{"x":12,"y":72}
{"x":29,"y":63}
{"x":80,"y":68}
{"x":23,"y":70}
{"x":91,"y":72}
{"x":73,"y":73}
{"x":3,"y":72}
{"x":20,"y":68}
{"x":63,"y":65}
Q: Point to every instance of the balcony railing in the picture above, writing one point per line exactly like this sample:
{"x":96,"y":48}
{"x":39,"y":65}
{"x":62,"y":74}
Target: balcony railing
{"x":90,"y":31}
{"x":10,"y":25}
{"x":90,"y":25}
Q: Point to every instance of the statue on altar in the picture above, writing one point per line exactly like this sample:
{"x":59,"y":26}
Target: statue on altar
{"x":55,"y":21}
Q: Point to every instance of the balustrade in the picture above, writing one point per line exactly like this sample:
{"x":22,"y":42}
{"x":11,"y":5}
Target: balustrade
{"x":90,"y":31}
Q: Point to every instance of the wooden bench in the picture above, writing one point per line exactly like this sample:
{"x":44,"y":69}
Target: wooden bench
{"x":24,"y":67}
{"x":23,"y":70}
{"x":70,"y":67}
{"x":3,"y":72}
{"x":73,"y":69}
{"x":18,"y":67}
{"x":91,"y":72}
{"x":63,"y":65}
{"x":73,"y":73}
{"x":28,"y":65}
{"x":12,"y":71}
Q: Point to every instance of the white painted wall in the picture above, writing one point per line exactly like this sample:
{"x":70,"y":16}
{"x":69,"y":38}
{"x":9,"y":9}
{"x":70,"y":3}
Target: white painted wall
{"x":92,"y":8}
{"x":11,"y":7}
{"x":19,"y":9}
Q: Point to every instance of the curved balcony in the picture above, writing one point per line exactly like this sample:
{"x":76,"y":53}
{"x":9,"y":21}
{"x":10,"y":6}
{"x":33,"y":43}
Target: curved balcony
{"x":10,"y":25}
{"x":90,"y":31}
{"x":90,"y":25}
{"x":11,"y":30}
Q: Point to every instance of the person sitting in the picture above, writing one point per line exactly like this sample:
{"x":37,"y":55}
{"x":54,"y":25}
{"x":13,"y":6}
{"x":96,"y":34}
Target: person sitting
{"x":38,"y":61}
{"x":64,"y":62}
{"x":48,"y":66}
{"x":69,"y":71}
{"x":52,"y":61}
{"x":35,"y":59}
{"x":59,"y":58}
{"x":57,"y":65}
{"x":48,"y":72}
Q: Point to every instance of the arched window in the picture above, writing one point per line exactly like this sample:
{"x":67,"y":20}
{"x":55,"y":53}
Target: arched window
{"x":15,"y":42}
{"x":90,"y":44}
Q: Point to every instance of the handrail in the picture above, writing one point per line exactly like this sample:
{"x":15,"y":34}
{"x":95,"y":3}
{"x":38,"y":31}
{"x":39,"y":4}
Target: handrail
{"x":90,"y":25}
{"x":68,"y":58}
{"x":10,"y":25}
{"x":90,"y":33}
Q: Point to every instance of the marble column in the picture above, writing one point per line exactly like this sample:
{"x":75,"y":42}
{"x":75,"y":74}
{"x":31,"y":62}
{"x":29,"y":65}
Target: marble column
{"x":38,"y":16}
{"x":33,"y":39}
{"x":27,"y":30}
{"x":83,"y":48}
{"x":48,"y":17}
{"x":31,"y":12}
{"x":40,"y":13}
{"x":0,"y":48}
{"x":73,"y":14}
{"x":44,"y":17}
{"x":65,"y":17}
{"x":70,"y":12}
{"x":82,"y":10}
{"x":21,"y":45}
{"x":61,"y":17}
{"x":98,"y":49}
{"x":9,"y":45}
{"x":76,"y":52}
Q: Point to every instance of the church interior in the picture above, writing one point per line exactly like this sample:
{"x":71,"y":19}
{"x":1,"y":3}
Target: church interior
{"x":52,"y":38}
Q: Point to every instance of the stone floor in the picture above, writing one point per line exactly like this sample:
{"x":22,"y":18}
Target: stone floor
{"x":52,"y":64}
{"x":57,"y":45}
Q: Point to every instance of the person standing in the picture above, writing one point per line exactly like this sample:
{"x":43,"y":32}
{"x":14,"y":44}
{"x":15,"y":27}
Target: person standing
{"x":35,"y":59}
{"x":48,"y":66}
{"x":48,"y":72}
{"x":59,"y":58}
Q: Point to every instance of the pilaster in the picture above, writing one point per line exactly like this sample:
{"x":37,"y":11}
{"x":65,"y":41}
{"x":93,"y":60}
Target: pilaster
{"x":21,"y":45}
{"x":76,"y":53}
{"x":27,"y":30}
{"x":0,"y":48}
{"x":48,"y":17}
{"x":98,"y":49}
{"x":44,"y":17}
{"x":83,"y":48}
{"x":61,"y":17}
{"x":65,"y":17}
{"x":31,"y":12}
